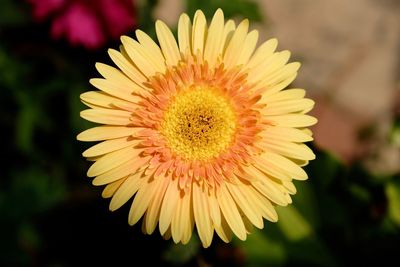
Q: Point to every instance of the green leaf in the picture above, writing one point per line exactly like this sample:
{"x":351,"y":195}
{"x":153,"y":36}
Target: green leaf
{"x":294,"y":226}
{"x":31,"y":191}
{"x":178,"y":254}
{"x":12,"y":13}
{"x":393,"y":195}
{"x":261,"y":250}
{"x":324,"y":169}
{"x":25,"y":125}
{"x":232,"y":8}
{"x":306,"y":202}
{"x":395,"y":133}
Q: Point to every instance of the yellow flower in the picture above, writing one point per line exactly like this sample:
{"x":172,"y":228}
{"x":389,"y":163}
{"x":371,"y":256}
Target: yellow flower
{"x":199,"y":132}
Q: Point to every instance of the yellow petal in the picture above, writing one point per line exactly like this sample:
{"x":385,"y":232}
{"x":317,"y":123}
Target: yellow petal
{"x":187,"y":217}
{"x":202,"y":216}
{"x":109,"y":146}
{"x":153,"y":50}
{"x":290,"y":187}
{"x":289,"y":94}
{"x":126,"y":168}
{"x":214,"y":38}
{"x":229,"y":30}
{"x":143,"y":198}
{"x":265,"y":170}
{"x":293,"y":120}
{"x":236,"y":44}
{"x":243,"y":203}
{"x":184,"y":34}
{"x":118,"y":78}
{"x":260,"y":73}
{"x":269,"y":189}
{"x":168,"y":43}
{"x":281,"y":74}
{"x":215,"y":212}
{"x":224,"y":231}
{"x":230,"y":212}
{"x":107,"y":116}
{"x":176,"y":228}
{"x":153,"y":212}
{"x":198,"y":33}
{"x":285,"y":165}
{"x":126,"y":191}
{"x":95,"y":99}
{"x":261,"y":203}
{"x":273,"y":89}
{"x":111,"y":160}
{"x":139,"y":55}
{"x":105,"y":133}
{"x":288,"y":149}
{"x":289,"y":106}
{"x":248,"y":48}
{"x":285,"y":134}
{"x":168,"y":205}
{"x":127,"y":67}
{"x":115,"y":90}
{"x":262,"y":53}
{"x":110,"y":189}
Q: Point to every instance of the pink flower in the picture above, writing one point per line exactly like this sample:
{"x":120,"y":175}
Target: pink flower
{"x":86,"y":22}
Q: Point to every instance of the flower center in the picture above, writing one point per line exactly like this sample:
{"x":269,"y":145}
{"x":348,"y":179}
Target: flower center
{"x":199,"y":123}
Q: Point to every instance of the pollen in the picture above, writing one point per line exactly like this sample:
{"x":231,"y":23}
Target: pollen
{"x":199,"y":124}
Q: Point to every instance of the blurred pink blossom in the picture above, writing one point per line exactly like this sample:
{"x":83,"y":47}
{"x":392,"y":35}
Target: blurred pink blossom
{"x":86,"y":22}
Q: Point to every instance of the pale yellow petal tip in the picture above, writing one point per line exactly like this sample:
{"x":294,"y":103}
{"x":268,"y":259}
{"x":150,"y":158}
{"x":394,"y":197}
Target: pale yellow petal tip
{"x":83,"y":136}
{"x":198,"y":12}
{"x":85,"y":114}
{"x":139,"y":32}
{"x":91,"y":173}
{"x":286,"y":53}
{"x":98,"y":65}
{"x":314,"y":120}
{"x":105,"y":194}
{"x":273,"y":42}
{"x":274,"y":220}
{"x":113,"y":206}
{"x":219,"y":12}
{"x":92,"y":81}
{"x":125,"y":39}
{"x":184,"y":16}
{"x":80,"y":137}
{"x":160,"y":23}
{"x":83,"y":96}
{"x":82,"y":114}
{"x":296,"y":65}
{"x":242,"y":237}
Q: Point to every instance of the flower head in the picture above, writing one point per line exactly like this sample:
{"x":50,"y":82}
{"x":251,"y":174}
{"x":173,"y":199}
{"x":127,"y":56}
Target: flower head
{"x":86,"y":22}
{"x":200,"y":132}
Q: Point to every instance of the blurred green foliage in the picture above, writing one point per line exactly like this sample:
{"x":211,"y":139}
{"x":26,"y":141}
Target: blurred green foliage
{"x":51,"y":215}
{"x":242,"y":8}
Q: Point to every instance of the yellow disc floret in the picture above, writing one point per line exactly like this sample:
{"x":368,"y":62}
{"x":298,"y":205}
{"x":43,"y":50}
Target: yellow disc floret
{"x":199,"y":123}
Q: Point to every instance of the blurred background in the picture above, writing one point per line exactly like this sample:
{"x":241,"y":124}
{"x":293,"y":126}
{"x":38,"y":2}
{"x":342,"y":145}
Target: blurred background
{"x":347,"y":213}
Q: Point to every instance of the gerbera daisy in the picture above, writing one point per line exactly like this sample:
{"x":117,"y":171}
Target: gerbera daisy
{"x":199,"y":132}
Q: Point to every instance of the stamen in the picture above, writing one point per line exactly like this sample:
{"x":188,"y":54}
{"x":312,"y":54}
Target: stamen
{"x":199,"y":123}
